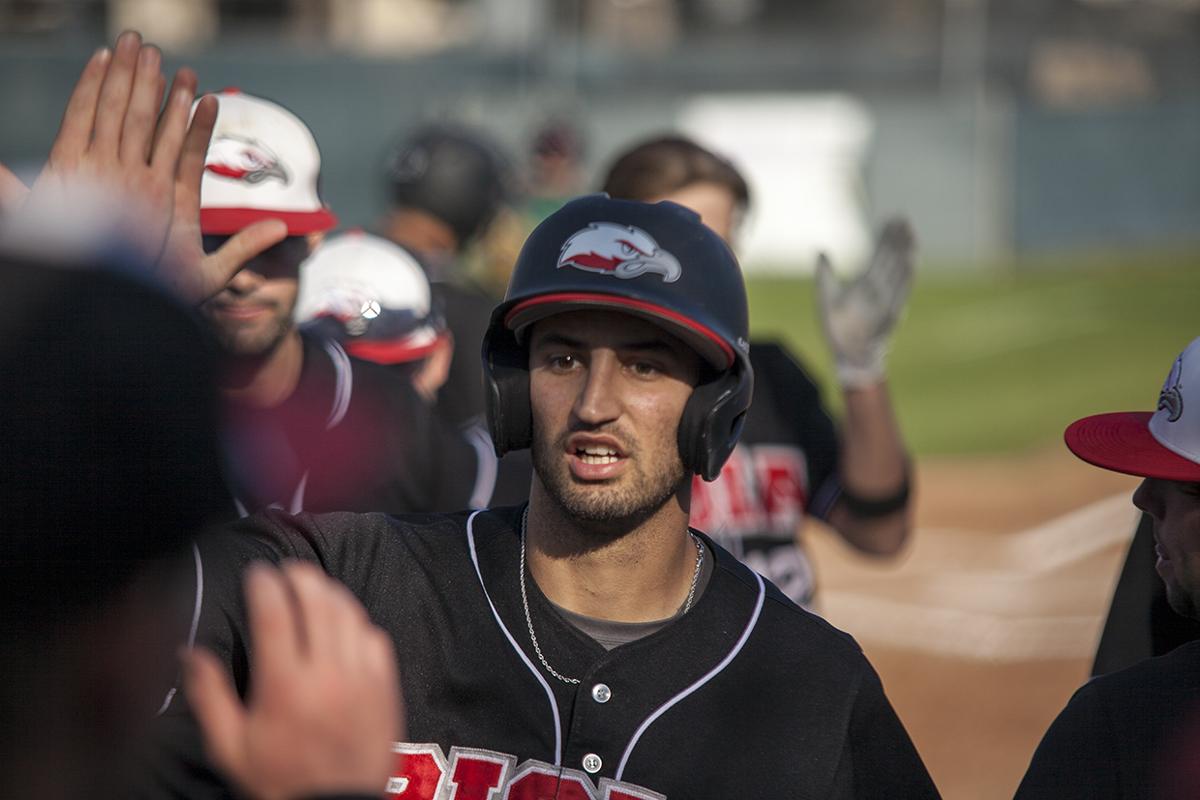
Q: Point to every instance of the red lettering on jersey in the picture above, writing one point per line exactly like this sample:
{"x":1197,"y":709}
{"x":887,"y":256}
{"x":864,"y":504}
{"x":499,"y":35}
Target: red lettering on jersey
{"x":783,"y":482}
{"x":478,"y":774}
{"x":419,"y":773}
{"x":422,"y":772}
{"x":537,"y":780}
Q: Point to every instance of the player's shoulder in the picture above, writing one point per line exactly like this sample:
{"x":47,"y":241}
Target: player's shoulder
{"x":1173,"y":675}
{"x":791,"y":628}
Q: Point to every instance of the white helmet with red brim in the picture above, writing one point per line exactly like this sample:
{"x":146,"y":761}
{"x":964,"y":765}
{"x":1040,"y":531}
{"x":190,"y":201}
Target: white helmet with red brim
{"x":1160,"y":444}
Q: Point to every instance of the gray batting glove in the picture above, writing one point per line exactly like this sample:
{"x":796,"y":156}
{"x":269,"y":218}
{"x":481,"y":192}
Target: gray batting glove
{"x":858,"y":316}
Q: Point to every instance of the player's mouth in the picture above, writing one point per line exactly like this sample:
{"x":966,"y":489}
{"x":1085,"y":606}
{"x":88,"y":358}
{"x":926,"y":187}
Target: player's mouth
{"x":595,"y":458}
{"x":241,"y":311}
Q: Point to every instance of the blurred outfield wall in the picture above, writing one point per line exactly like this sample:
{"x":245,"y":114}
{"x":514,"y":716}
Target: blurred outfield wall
{"x":983,"y":178}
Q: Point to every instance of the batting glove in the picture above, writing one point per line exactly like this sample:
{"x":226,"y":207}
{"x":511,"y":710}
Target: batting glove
{"x":858,"y":316}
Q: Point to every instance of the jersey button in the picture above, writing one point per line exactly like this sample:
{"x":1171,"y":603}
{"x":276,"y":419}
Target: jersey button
{"x":601,"y":693}
{"x":592,"y":763}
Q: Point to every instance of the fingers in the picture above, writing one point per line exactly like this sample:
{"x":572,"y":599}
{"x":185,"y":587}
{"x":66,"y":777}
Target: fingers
{"x":273,"y":621}
{"x":245,"y":245}
{"x":75,"y":132}
{"x":217,"y":708}
{"x":144,"y":101}
{"x":168,"y":148}
{"x":115,"y":94}
{"x":333,"y":622}
{"x":195,"y":150}
{"x":827,"y":283}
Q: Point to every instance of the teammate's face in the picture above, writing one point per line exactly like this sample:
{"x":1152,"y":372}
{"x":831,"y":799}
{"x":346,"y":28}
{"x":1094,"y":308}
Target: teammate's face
{"x":1175,"y":507}
{"x":715,"y":204}
{"x":253,"y":313}
{"x":607,"y":392}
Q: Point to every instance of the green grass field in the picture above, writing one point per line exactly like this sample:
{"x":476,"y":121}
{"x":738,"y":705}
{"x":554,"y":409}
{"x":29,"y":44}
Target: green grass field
{"x":1001,"y":361}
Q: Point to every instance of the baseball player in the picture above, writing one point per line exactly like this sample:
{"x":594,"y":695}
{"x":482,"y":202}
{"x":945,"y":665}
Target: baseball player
{"x":446,"y":185}
{"x":791,"y":459}
{"x":372,"y":298}
{"x":1132,"y":733}
{"x":589,"y":643}
{"x":113,"y":465}
{"x":310,"y":427}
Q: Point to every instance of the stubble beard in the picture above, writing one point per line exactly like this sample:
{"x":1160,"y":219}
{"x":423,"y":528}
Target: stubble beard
{"x":634,"y":498}
{"x":242,"y":343}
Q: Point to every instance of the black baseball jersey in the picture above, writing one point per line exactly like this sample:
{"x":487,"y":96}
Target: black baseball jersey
{"x":745,"y":696}
{"x":352,"y":436}
{"x":784,"y":466}
{"x":1127,"y":734}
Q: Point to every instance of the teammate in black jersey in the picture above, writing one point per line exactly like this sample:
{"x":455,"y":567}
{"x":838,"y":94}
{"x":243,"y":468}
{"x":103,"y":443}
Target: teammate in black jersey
{"x":792,"y":460}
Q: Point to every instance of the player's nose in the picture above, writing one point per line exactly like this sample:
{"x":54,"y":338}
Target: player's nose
{"x":1148,"y":497}
{"x":597,"y":401}
{"x":244,"y":281}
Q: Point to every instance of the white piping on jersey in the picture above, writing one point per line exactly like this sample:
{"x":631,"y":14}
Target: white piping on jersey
{"x":737,"y":648}
{"x":343,"y":390}
{"x":195,"y":626}
{"x":529,"y":664}
{"x":487,"y":465}
{"x":344,"y":386}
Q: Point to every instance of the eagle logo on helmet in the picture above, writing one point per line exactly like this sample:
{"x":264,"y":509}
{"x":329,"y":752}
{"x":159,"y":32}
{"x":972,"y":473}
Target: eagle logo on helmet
{"x":244,"y":160}
{"x":1171,"y":398}
{"x":621,"y":250}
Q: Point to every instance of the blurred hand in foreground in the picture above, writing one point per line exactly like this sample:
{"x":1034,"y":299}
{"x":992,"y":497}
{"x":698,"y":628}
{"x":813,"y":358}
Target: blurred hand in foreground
{"x":114,"y":138}
{"x":859,"y":315}
{"x":325,"y":702}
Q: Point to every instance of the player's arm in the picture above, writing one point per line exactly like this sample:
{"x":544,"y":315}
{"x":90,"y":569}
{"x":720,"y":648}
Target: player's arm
{"x":872,"y":512}
{"x":134,"y":163}
{"x":325,"y":703}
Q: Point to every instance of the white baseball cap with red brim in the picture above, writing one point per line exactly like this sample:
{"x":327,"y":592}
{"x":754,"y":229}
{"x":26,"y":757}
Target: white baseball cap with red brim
{"x":262,"y":163}
{"x":370,"y":295}
{"x":1161,"y":444}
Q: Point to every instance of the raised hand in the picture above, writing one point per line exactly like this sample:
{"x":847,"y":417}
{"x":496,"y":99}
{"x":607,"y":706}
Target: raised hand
{"x":325,"y":701}
{"x":113,"y":141}
{"x":858,"y":316}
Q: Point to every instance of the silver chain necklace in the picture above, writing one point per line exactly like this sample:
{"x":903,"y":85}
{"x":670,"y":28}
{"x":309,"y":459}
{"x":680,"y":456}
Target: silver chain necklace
{"x":687,"y":606}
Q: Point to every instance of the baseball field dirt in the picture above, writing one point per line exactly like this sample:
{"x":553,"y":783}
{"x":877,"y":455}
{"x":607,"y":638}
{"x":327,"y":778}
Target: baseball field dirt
{"x":986,"y":625}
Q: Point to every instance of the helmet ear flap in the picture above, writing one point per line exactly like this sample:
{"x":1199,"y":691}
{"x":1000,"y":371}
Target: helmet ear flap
{"x":712,"y":422}
{"x":506,"y":386}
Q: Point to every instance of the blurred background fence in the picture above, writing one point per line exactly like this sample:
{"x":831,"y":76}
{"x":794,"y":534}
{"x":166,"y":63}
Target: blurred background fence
{"x":1004,"y":129}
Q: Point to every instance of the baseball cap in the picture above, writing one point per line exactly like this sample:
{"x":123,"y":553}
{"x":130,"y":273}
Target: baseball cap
{"x":262,"y":163}
{"x":372,"y":296}
{"x":1160,"y":444}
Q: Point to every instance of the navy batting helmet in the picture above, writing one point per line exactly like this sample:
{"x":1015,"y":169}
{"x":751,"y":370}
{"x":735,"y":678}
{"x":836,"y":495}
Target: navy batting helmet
{"x":656,"y":261}
{"x":453,"y":173}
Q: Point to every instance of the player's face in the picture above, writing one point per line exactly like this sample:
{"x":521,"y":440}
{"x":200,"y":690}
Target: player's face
{"x":607,"y":392}
{"x":1175,"y":507}
{"x":253,"y":313}
{"x":714,"y":203}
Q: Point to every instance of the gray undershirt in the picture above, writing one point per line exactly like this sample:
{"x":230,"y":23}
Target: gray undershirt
{"x":609,"y":634}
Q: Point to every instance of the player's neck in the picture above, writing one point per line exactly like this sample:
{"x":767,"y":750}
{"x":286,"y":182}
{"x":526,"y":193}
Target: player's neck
{"x":639,"y":573}
{"x":267,"y":380}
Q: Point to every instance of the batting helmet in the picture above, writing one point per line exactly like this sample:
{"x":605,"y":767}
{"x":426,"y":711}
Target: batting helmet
{"x":370,"y":295}
{"x":454,"y":174}
{"x":655,"y":261}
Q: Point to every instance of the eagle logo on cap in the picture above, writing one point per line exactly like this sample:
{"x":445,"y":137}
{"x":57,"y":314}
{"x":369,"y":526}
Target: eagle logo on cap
{"x":246,"y":160}
{"x":621,"y":250}
{"x":1171,"y":398}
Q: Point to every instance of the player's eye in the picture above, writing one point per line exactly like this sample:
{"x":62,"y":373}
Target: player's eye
{"x":644,"y":369}
{"x":563,"y":362}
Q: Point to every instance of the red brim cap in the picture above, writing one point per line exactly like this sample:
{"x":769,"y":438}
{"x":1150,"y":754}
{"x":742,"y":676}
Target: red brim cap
{"x":1122,"y":442}
{"x":395,"y":352}
{"x":228,"y":221}
{"x":704,"y":340}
